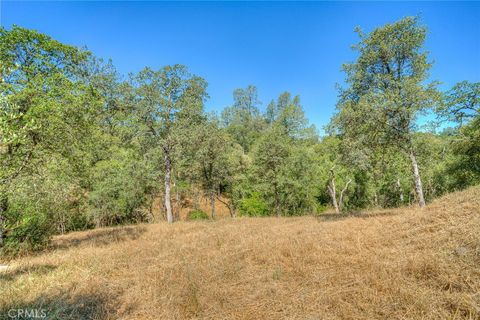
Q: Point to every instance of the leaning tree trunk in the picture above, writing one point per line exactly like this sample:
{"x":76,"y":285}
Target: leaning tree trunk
{"x":168,"y":174}
{"x":229,"y":205}
{"x":333,"y":194}
{"x":340,"y":202}
{"x":418,"y":180}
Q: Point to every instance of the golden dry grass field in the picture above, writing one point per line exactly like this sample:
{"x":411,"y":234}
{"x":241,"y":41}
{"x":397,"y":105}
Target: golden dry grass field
{"x":395,"y":264}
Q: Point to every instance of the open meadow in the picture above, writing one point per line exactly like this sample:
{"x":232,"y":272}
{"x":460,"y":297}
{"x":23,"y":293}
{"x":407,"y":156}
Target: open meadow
{"x":405,"y":263}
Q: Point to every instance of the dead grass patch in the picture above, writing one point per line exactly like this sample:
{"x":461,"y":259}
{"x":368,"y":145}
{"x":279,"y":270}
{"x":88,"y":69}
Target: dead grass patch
{"x":397,"y":264}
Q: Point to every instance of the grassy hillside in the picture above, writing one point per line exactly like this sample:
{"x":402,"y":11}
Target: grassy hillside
{"x":396,"y":264}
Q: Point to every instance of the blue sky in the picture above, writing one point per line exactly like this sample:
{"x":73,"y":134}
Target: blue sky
{"x":298,"y":47}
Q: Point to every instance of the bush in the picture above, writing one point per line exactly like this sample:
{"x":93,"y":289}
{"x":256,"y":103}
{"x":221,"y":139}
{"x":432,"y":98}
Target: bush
{"x":253,"y":206}
{"x":198,"y":215}
{"x":30,"y":233}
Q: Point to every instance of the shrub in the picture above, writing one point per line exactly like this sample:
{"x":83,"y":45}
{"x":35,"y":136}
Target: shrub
{"x":198,"y":215}
{"x":31,"y":232}
{"x":253,"y":206}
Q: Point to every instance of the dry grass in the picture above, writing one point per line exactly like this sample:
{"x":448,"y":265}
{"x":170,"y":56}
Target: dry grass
{"x":398,"y":264}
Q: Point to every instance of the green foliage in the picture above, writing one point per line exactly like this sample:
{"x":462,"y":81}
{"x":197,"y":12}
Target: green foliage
{"x":198,"y":215}
{"x":462,"y":103}
{"x":386,"y":92}
{"x":82,"y":148}
{"x":119,"y":188}
{"x":243,"y":120}
{"x":254,"y":206}
{"x":464,"y":167}
{"x":26,"y":231}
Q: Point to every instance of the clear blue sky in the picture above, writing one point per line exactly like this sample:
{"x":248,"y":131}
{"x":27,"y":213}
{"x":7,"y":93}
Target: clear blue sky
{"x":298,"y":47}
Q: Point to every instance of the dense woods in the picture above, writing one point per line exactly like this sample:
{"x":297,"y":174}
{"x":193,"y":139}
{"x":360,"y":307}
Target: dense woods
{"x":82,"y":146}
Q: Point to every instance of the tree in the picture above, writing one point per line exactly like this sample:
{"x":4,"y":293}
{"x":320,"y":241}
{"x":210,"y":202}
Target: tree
{"x":461,"y":106}
{"x":243,"y":120}
{"x":288,"y":115}
{"x":211,"y":165}
{"x":269,"y":158}
{"x":45,"y":108}
{"x":386,"y":91}
{"x":334,"y":170}
{"x":461,"y":103}
{"x":284,"y":173}
{"x":166,"y":102}
{"x":465,"y":165}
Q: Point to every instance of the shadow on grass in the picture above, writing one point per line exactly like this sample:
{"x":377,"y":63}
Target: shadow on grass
{"x":37,"y":270}
{"x":98,"y":237}
{"x":95,"y":305}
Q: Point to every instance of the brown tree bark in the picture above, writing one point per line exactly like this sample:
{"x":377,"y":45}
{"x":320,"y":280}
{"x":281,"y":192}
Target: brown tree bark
{"x":230,"y":206}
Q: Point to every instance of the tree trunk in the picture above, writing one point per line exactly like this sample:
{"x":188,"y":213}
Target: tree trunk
{"x":230,"y":206}
{"x":168,"y":173}
{"x":340,"y":202}
{"x":212,"y":204}
{"x":231,"y":210}
{"x":2,"y":222}
{"x":3,"y":209}
{"x":400,"y":190}
{"x":418,"y":180}
{"x":333,"y":194}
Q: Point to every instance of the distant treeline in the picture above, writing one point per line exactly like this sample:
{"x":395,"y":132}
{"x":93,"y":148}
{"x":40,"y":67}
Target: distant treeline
{"x":82,"y":146}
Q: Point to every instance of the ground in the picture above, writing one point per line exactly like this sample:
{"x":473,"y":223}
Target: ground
{"x":407,"y":263}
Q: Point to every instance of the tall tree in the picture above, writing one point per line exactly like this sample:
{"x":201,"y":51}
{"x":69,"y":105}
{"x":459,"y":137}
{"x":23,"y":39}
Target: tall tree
{"x":46,"y":108}
{"x":270,"y":157}
{"x":168,"y":101}
{"x":243,"y":120}
{"x":461,"y":105}
{"x":287,"y":113}
{"x":386,"y":91}
{"x":211,"y":165}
